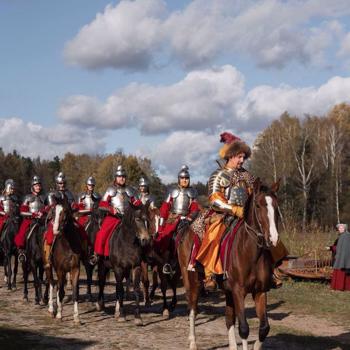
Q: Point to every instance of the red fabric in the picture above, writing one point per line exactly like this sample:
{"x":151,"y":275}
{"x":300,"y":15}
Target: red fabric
{"x":340,"y":280}
{"x":162,"y":241}
{"x":165,"y":209}
{"x":20,"y":238}
{"x":226,"y":245}
{"x":109,"y":224}
{"x":49,"y":233}
{"x":194,"y":207}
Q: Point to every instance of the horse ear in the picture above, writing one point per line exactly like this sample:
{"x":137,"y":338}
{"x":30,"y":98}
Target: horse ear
{"x":257,"y":185}
{"x":275,"y":186}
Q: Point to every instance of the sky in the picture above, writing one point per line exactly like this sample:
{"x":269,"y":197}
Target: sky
{"x":162,"y":79}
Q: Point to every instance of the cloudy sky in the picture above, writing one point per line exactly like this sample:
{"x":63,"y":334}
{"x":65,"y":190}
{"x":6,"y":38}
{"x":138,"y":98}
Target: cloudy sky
{"x":163,"y":79}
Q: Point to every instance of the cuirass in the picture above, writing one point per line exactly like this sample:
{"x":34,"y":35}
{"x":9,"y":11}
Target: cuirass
{"x":9,"y":205}
{"x":237,"y":195}
{"x":120,"y":200}
{"x":88,"y":201}
{"x":181,"y":202}
{"x":35,"y":203}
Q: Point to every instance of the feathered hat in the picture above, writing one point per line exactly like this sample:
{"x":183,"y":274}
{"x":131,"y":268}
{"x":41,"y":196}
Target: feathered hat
{"x":233,"y":145}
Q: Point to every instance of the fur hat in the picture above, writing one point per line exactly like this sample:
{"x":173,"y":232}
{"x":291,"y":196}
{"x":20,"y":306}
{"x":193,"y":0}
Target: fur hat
{"x":233,"y":145}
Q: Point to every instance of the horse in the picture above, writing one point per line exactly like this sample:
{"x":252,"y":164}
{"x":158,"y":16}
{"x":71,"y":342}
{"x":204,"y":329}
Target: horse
{"x":92,"y":226}
{"x":34,"y":259}
{"x":250,"y":265}
{"x":66,"y":252}
{"x":249,"y":269}
{"x":9,"y":249}
{"x":126,"y":253}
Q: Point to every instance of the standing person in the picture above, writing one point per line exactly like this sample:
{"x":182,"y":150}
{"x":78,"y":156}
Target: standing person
{"x":32,"y":207}
{"x":180,"y":207}
{"x":8,"y":203}
{"x":341,"y":266}
{"x":115,"y":202}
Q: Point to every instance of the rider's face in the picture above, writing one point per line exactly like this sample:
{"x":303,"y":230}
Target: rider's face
{"x":236,"y":162}
{"x":120,"y":180}
{"x":90,"y":188}
{"x":37,"y":188}
{"x":184,"y":182}
{"x":61,"y":186}
{"x":143,"y":189}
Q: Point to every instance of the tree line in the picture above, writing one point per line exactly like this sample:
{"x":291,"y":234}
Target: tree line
{"x":311,"y":156}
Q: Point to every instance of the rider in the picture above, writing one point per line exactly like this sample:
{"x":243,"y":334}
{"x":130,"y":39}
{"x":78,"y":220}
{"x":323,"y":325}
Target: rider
{"x":115,"y":201}
{"x":32,"y":207}
{"x":228,"y":187}
{"x":179,"y":208}
{"x":8,"y":203}
{"x":144,"y":194}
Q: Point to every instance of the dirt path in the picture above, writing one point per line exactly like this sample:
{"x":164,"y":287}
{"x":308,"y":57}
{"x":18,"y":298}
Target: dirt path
{"x":24,"y":325}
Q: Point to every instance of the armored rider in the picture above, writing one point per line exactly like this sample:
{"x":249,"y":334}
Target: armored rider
{"x":32,"y":208}
{"x":114,"y":203}
{"x":228,"y":187}
{"x":144,"y":193}
{"x":8,"y":203}
{"x":179,"y":208}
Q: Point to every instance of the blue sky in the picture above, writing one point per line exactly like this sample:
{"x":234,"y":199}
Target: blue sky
{"x":162,"y":78}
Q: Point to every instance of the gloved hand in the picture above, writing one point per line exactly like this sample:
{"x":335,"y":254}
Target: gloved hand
{"x":238,"y":211}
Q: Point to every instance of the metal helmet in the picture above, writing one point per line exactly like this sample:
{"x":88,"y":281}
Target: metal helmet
{"x":36,"y":180}
{"x":143,"y":182}
{"x":9,"y":185}
{"x":183,"y":172}
{"x":60,"y":178}
{"x":120,"y":171}
{"x":91,"y":181}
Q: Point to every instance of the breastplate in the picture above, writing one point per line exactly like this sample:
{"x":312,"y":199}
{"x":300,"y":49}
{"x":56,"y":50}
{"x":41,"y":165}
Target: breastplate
{"x":237,"y":194}
{"x":181,"y":203}
{"x":88,"y":202}
{"x":9,"y":205}
{"x":120,"y":201}
{"x":36,"y":204}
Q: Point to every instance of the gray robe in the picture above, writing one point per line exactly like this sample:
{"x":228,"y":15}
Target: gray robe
{"x":342,"y":257}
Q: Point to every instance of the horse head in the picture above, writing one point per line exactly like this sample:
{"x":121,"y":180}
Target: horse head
{"x":264,"y":211}
{"x":61,"y":213}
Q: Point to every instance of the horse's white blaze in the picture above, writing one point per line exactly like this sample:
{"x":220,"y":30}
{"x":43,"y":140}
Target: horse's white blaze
{"x":58,"y":210}
{"x":51,"y":299}
{"x":272,"y":223}
{"x":59,"y":306}
{"x":258,"y":345}
{"x":232,"y":338}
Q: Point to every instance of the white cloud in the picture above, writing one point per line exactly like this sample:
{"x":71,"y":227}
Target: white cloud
{"x":32,"y":140}
{"x":135,"y":35}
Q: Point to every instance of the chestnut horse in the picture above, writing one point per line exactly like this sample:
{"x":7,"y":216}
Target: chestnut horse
{"x":66,"y":254}
{"x":249,"y":270}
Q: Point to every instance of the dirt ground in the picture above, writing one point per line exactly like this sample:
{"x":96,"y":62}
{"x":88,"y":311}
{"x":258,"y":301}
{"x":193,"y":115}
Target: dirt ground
{"x":26,"y":326}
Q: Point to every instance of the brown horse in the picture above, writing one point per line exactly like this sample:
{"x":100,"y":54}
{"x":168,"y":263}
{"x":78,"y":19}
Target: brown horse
{"x":66,"y":254}
{"x":249,"y":269}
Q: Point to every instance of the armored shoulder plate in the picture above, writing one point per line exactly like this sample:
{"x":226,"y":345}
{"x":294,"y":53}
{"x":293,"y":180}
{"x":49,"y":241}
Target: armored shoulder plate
{"x":51,"y":198}
{"x":28,"y":199}
{"x":130,"y":191}
{"x":2,"y":197}
{"x":220,"y":179}
{"x":192,"y":192}
{"x":96,"y":196}
{"x":69,"y":196}
{"x":81,"y":197}
{"x":175,"y":192}
{"x":110,"y":192}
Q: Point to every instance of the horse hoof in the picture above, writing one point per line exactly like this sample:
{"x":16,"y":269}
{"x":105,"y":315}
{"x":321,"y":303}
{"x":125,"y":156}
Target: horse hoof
{"x":166,"y":313}
{"x":99,"y":307}
{"x":77,"y":321}
{"x":26,"y":299}
{"x":148,"y":303}
{"x":193,"y":346}
{"x":138,"y":322}
{"x":121,"y":319}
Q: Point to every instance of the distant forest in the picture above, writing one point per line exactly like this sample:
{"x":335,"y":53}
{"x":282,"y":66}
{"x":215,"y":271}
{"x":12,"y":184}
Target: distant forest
{"x":311,"y":156}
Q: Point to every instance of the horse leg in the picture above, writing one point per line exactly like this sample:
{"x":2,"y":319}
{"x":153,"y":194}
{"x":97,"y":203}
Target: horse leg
{"x":264,"y":327}
{"x":145,"y":283}
{"x":15,"y":270}
{"x":60,"y":293}
{"x":230,"y":321}
{"x":49,"y":290}
{"x":9,"y":272}
{"x":239,"y":295}
{"x":163,"y":288}
{"x":102,"y":273}
{"x":75,"y":297}
{"x":154,"y":282}
{"x":37,"y":283}
{"x":119,"y":308}
{"x":89,"y":271}
{"x":173,"y":284}
{"x":136,"y":276}
{"x":25,"y":280}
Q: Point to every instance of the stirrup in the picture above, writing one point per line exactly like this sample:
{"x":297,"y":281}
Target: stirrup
{"x":168,"y":270}
{"x":93,"y":259}
{"x":22,"y":257}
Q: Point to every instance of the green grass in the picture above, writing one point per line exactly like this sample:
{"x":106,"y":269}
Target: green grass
{"x":315,"y":299}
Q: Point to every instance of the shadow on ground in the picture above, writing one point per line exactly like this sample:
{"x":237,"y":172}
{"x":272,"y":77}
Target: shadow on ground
{"x":13,"y":339}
